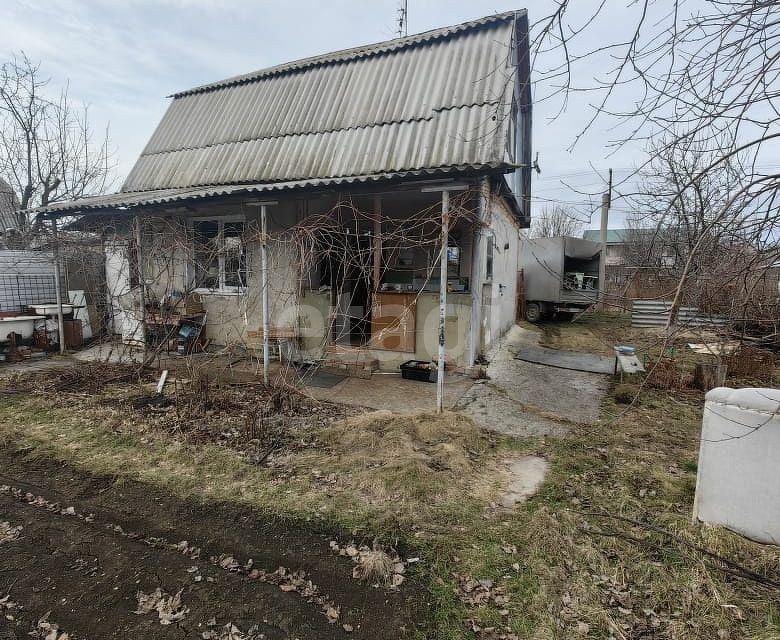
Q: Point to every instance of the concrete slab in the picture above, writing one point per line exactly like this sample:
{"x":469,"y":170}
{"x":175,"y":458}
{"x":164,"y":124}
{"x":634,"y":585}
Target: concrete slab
{"x":524,"y":399}
{"x":588,"y":362}
{"x":392,"y":392}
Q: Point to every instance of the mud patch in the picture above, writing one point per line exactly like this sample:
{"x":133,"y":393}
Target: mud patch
{"x":90,"y":546}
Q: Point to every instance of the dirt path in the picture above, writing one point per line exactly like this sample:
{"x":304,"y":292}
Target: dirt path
{"x":88,"y":544}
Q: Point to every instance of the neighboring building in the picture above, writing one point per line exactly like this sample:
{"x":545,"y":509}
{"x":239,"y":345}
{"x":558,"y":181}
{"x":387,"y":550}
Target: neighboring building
{"x":351,"y":147}
{"x":617,"y":241}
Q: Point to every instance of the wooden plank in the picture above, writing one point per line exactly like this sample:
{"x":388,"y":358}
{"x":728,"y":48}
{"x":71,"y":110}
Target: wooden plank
{"x":393,"y":322}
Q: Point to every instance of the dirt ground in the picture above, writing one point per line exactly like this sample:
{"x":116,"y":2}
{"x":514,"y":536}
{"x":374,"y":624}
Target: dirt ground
{"x":88,"y":544}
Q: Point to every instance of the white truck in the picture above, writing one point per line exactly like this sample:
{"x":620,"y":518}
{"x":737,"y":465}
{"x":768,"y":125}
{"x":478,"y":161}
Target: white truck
{"x":561,"y":276}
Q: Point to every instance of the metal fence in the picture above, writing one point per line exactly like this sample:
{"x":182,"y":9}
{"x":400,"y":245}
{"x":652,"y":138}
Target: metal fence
{"x":18,"y":291}
{"x":655,"y":313}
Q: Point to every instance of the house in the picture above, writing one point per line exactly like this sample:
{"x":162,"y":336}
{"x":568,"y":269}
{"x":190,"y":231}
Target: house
{"x":316,"y":190}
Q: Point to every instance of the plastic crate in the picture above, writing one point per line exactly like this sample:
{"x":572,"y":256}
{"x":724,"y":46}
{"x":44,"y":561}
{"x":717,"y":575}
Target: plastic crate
{"x":418,"y":370}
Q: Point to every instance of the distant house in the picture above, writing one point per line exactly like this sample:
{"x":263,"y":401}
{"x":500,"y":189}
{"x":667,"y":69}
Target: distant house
{"x":348,"y":152}
{"x":617,"y":241}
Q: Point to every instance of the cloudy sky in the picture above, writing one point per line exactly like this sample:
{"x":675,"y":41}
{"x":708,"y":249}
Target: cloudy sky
{"x":124,"y":58}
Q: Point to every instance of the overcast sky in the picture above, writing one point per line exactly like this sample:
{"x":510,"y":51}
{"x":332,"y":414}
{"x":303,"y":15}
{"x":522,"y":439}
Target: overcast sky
{"x":124,"y":58}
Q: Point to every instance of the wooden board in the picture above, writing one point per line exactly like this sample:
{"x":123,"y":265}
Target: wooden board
{"x":393,"y":322}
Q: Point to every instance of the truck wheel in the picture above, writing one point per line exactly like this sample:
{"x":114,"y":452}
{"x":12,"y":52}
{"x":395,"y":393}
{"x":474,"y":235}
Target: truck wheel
{"x":533,"y":312}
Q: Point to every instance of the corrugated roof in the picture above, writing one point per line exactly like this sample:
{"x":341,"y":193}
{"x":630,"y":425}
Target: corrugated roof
{"x":435,"y":102}
{"x":130,"y":199}
{"x":437,"y":99}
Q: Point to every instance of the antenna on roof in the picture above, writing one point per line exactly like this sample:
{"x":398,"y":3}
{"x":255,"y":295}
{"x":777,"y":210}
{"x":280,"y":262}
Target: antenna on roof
{"x":403,"y":19}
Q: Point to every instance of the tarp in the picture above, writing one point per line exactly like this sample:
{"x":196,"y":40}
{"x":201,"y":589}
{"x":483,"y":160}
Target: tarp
{"x":581,"y":249}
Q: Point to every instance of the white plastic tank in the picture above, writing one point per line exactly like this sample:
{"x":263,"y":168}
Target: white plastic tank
{"x":738,"y":482}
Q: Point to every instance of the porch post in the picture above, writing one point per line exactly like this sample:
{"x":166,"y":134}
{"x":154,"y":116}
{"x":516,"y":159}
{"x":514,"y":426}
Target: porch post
{"x":138,"y":230}
{"x":377,"y":242}
{"x":57,"y":285}
{"x":445,"y":214}
{"x":445,"y":221}
{"x":475,"y":283}
{"x":264,"y":279}
{"x":264,"y":285}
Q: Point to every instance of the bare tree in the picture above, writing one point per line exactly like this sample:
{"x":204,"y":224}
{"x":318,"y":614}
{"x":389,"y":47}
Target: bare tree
{"x":47,"y":149}
{"x":690,"y":235}
{"x":555,"y":221}
{"x":687,"y":74}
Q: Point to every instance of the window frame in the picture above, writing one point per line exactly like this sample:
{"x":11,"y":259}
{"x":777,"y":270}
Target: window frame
{"x":222,"y":289}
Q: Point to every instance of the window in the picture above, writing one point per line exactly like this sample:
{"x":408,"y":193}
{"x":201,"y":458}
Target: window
{"x":219,"y":255}
{"x":453,"y":261}
{"x":489,"y":258}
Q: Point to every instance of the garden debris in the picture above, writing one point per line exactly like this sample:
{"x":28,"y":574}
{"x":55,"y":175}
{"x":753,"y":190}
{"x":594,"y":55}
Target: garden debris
{"x":86,"y":377}
{"x":373,"y":564}
{"x":8,"y":533}
{"x":169,"y":608}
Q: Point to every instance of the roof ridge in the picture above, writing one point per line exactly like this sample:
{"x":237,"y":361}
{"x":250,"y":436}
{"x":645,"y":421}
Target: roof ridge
{"x":343,"y":55}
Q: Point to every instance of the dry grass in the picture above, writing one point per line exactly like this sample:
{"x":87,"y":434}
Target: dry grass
{"x":391,"y":457}
{"x":606,"y":549}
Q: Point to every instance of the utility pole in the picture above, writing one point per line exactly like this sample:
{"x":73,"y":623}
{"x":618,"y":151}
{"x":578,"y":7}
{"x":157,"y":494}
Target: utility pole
{"x":606,"y":201}
{"x":445,"y":222}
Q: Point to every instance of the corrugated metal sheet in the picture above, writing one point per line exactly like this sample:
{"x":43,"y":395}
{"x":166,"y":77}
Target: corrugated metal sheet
{"x":433,"y":100}
{"x":655,"y":313}
{"x":165,"y":196}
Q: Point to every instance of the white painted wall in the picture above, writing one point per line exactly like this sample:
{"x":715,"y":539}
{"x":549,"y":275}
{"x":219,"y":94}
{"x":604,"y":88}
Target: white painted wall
{"x":738,"y":483}
{"x":502,"y":289}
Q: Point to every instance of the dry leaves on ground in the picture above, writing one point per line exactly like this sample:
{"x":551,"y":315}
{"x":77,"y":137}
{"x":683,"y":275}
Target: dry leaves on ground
{"x":169,"y":608}
{"x":8,"y":533}
{"x":48,"y":630}
{"x":373,"y":564}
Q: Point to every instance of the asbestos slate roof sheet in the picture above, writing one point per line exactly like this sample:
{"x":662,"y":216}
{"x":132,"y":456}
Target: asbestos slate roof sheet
{"x":435,"y":99}
{"x":429,"y":103}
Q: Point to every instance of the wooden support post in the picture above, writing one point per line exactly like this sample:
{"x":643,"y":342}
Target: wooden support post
{"x":377,"y":243}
